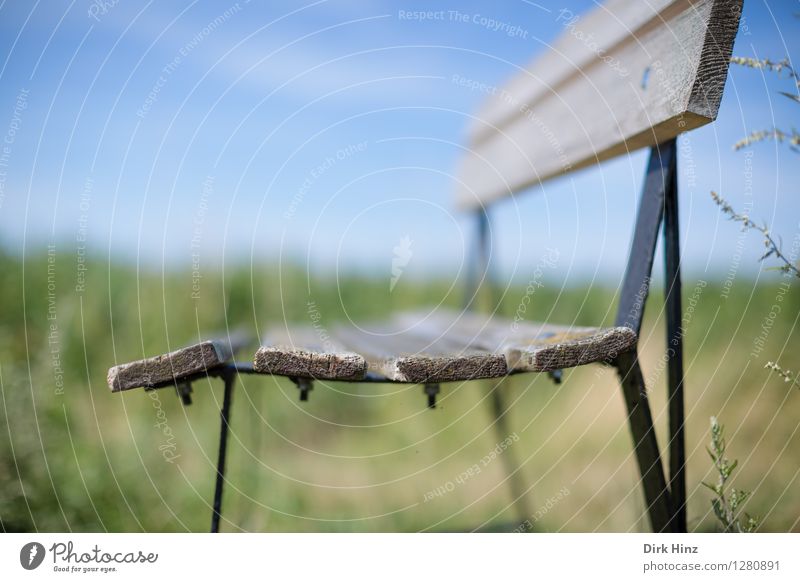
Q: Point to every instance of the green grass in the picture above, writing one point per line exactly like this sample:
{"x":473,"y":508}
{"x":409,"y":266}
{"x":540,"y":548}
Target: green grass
{"x":359,"y":457}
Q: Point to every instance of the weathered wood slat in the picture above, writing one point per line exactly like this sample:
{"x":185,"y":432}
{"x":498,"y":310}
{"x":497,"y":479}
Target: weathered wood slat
{"x":304,"y":353}
{"x":172,"y":367}
{"x":568,"y":349}
{"x":650,"y":71}
{"x":406,"y":357}
{"x":527,"y":347}
{"x":609,"y":25}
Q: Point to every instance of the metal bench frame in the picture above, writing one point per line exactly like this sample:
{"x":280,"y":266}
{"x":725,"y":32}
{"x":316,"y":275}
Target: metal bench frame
{"x":665,"y":498}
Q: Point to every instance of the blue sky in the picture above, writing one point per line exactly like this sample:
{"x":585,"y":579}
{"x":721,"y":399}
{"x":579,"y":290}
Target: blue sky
{"x":325,"y":132}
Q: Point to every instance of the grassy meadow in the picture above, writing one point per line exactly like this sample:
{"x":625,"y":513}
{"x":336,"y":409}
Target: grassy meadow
{"x":364,"y":457}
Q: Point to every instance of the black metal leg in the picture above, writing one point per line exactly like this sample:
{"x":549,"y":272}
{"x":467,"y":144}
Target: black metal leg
{"x":636,"y":285}
{"x":656,"y":493}
{"x":225,"y":415}
{"x":672,"y":282}
{"x":510,"y":461}
{"x":478,"y":264}
{"x":479,"y":271}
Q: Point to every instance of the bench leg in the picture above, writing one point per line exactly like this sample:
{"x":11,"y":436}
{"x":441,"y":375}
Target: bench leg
{"x":502,"y":430}
{"x":656,"y":493}
{"x":672,"y":292}
{"x":479,"y":271}
{"x":225,"y":414}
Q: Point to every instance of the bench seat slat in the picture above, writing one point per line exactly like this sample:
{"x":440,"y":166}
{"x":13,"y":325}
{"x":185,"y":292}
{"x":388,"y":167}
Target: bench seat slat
{"x":305,"y":353}
{"x":173,"y":367}
{"x":407,"y":357}
{"x":527,"y":346}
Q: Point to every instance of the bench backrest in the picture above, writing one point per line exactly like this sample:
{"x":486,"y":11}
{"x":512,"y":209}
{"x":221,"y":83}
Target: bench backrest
{"x":627,"y":75}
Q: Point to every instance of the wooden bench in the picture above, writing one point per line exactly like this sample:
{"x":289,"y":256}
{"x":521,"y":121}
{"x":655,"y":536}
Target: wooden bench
{"x":651,"y":71}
